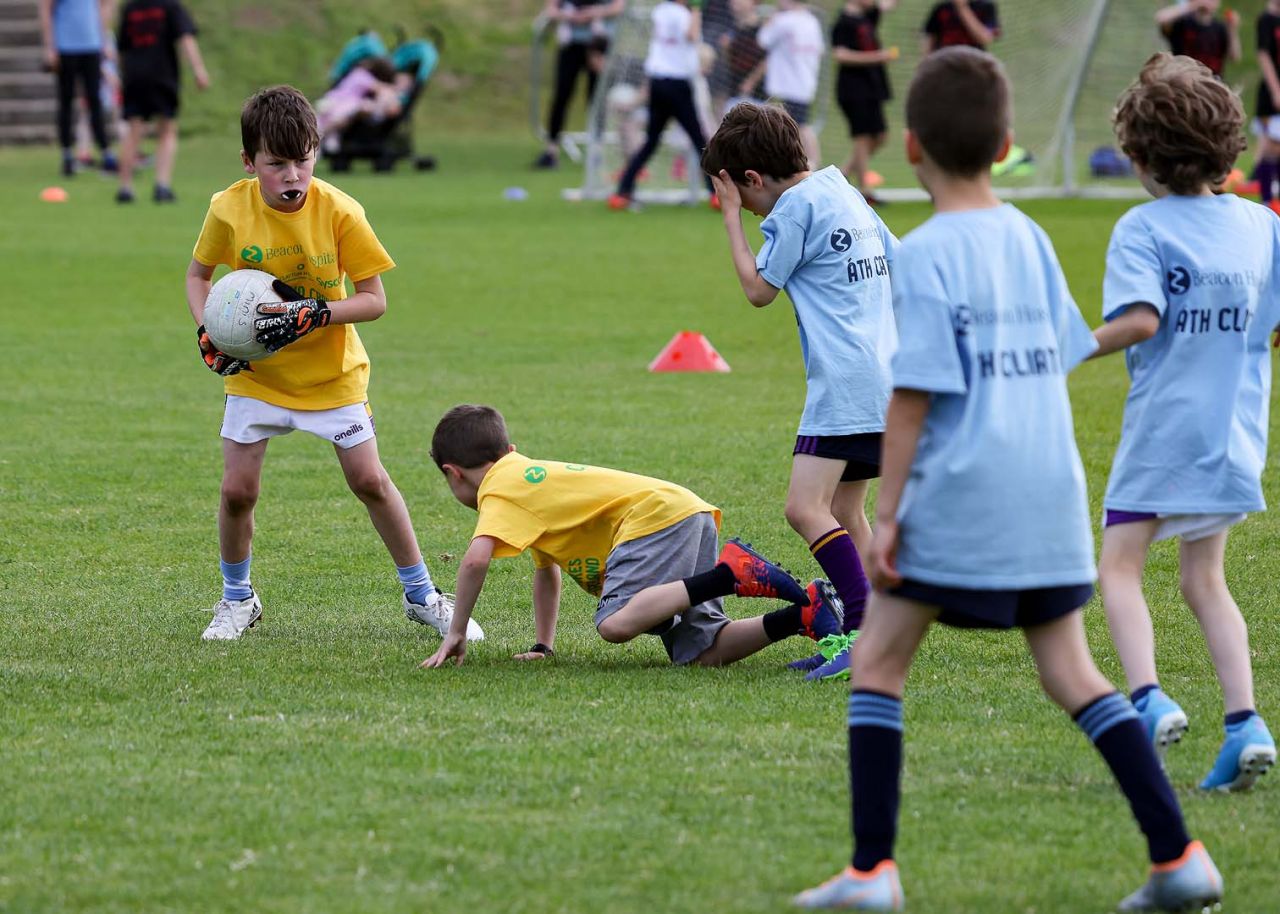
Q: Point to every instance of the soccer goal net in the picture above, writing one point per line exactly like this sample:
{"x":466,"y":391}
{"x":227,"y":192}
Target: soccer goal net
{"x":1068,"y":60}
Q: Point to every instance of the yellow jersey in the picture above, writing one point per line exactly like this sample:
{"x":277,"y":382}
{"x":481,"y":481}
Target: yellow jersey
{"x":573,"y":515}
{"x":314,"y":250}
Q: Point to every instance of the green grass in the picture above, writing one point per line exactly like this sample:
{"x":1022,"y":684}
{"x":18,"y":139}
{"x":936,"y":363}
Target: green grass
{"x":313,"y":767}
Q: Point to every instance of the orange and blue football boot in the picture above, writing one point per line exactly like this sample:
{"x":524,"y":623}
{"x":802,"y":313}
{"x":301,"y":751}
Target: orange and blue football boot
{"x":756,"y":576}
{"x":823,"y":616}
{"x":1190,"y":883}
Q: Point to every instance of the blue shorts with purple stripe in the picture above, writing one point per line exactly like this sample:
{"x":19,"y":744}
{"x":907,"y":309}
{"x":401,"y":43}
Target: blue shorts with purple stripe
{"x":962,"y":608}
{"x":860,"y":453}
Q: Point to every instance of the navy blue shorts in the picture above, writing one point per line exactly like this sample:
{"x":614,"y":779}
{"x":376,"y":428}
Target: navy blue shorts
{"x":997,"y":608}
{"x":799,"y":111}
{"x":861,"y":453}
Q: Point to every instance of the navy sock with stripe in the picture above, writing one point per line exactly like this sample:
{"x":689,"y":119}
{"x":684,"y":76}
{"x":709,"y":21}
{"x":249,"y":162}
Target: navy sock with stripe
{"x":875,"y":771}
{"x":1113,"y":725}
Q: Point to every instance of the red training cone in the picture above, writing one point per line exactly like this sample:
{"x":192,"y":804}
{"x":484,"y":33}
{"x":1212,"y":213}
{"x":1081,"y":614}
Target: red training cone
{"x":688,"y":351}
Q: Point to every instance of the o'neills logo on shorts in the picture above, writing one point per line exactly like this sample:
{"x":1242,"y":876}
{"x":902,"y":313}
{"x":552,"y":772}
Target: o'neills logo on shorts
{"x":355,"y":427}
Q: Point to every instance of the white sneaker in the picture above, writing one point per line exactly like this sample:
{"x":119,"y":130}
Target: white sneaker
{"x":232,"y":618}
{"x":439,"y":615}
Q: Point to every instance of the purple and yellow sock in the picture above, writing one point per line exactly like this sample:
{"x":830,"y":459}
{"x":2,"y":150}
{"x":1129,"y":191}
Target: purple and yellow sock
{"x":839,"y":560}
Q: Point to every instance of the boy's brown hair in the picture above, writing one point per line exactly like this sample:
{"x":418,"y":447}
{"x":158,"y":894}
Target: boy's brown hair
{"x":1180,"y":123}
{"x":470,"y":436}
{"x":959,"y":108}
{"x":281,"y":120}
{"x":761,"y":138}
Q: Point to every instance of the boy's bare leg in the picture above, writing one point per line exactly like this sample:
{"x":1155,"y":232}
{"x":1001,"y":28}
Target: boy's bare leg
{"x":371,"y":484}
{"x":241,"y":478}
{"x":740,"y":638}
{"x":1124,"y":555}
{"x":809,"y":139}
{"x":1204,"y":586}
{"x":129,"y":142}
{"x":166,"y":150}
{"x":814,"y":496}
{"x":1067,"y":671}
{"x":891,"y":633}
{"x":810,"y":494}
{"x":849,"y":508}
{"x":646,"y":610}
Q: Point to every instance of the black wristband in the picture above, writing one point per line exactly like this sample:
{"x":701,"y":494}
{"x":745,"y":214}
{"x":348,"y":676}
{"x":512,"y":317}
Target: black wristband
{"x":540,"y":648}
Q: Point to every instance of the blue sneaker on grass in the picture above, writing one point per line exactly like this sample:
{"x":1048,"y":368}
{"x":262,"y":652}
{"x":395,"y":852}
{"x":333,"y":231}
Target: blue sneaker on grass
{"x":1190,"y":883}
{"x":850,"y":890}
{"x":1246,"y":754}
{"x":1164,"y":720}
{"x":837,"y":667}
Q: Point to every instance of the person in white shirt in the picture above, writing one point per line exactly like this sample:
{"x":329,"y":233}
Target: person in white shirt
{"x":794,"y":44}
{"x":671,"y":66}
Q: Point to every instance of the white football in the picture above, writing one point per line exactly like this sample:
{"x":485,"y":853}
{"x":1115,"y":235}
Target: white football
{"x":231,"y":309}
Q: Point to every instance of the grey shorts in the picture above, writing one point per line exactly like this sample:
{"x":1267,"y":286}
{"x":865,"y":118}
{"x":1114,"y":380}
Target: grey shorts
{"x":687,"y":548}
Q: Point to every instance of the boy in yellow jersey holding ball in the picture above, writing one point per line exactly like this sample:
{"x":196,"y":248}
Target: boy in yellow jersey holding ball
{"x":311,"y":237}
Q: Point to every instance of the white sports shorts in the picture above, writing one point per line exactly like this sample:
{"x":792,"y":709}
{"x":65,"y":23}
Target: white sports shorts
{"x":1268,"y":127}
{"x":1192,"y":527}
{"x":247,"y":421}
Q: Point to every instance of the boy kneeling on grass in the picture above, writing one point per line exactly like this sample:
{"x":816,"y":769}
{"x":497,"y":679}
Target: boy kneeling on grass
{"x":646,"y":548}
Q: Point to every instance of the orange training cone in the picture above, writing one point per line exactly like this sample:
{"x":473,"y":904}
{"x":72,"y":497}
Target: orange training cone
{"x":688,"y":351}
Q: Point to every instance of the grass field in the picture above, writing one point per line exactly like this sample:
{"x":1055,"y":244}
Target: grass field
{"x":313,"y":767}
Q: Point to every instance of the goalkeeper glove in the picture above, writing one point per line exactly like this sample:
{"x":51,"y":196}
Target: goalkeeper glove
{"x":290,"y":319}
{"x":218,"y":361}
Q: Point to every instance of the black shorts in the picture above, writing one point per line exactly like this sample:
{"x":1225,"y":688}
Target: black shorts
{"x":1266,"y":105}
{"x":799,"y":111}
{"x":861,"y":453}
{"x":963,"y":608}
{"x":865,"y":115}
{"x":147,"y":99}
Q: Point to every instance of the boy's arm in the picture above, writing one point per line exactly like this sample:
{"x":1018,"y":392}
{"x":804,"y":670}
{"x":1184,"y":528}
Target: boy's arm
{"x":1234,"y":51}
{"x":546,"y":611}
{"x":46,"y":32}
{"x":851,"y":58}
{"x":1269,"y":76}
{"x":199,"y":281}
{"x":902,"y":425}
{"x":1166,"y":16}
{"x":192,"y":51}
{"x":471,"y":574}
{"x":753,"y":78}
{"x":758,"y":291}
{"x":292,"y":318}
{"x":1140,"y":322}
{"x":106,"y":12}
{"x":973,"y":25}
{"x":601,"y":11}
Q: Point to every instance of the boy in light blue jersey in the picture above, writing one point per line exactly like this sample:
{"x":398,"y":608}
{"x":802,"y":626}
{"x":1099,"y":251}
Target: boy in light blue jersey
{"x":982,"y":517}
{"x":831,"y":253}
{"x":1192,"y":292}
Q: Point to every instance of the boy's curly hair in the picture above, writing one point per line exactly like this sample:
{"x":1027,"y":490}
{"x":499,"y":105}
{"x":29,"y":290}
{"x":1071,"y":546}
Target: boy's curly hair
{"x":281,"y":120}
{"x":1180,"y":123}
{"x":761,"y":138}
{"x":470,"y":436}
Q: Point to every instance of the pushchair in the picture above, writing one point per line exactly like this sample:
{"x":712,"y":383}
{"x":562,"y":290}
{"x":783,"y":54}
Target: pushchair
{"x":385,"y":142}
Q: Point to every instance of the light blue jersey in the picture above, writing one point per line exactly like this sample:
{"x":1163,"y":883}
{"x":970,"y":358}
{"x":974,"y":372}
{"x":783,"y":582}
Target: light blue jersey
{"x":831,"y":253}
{"x":1194,"y":438}
{"x":996,"y":497}
{"x":77,"y":26}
